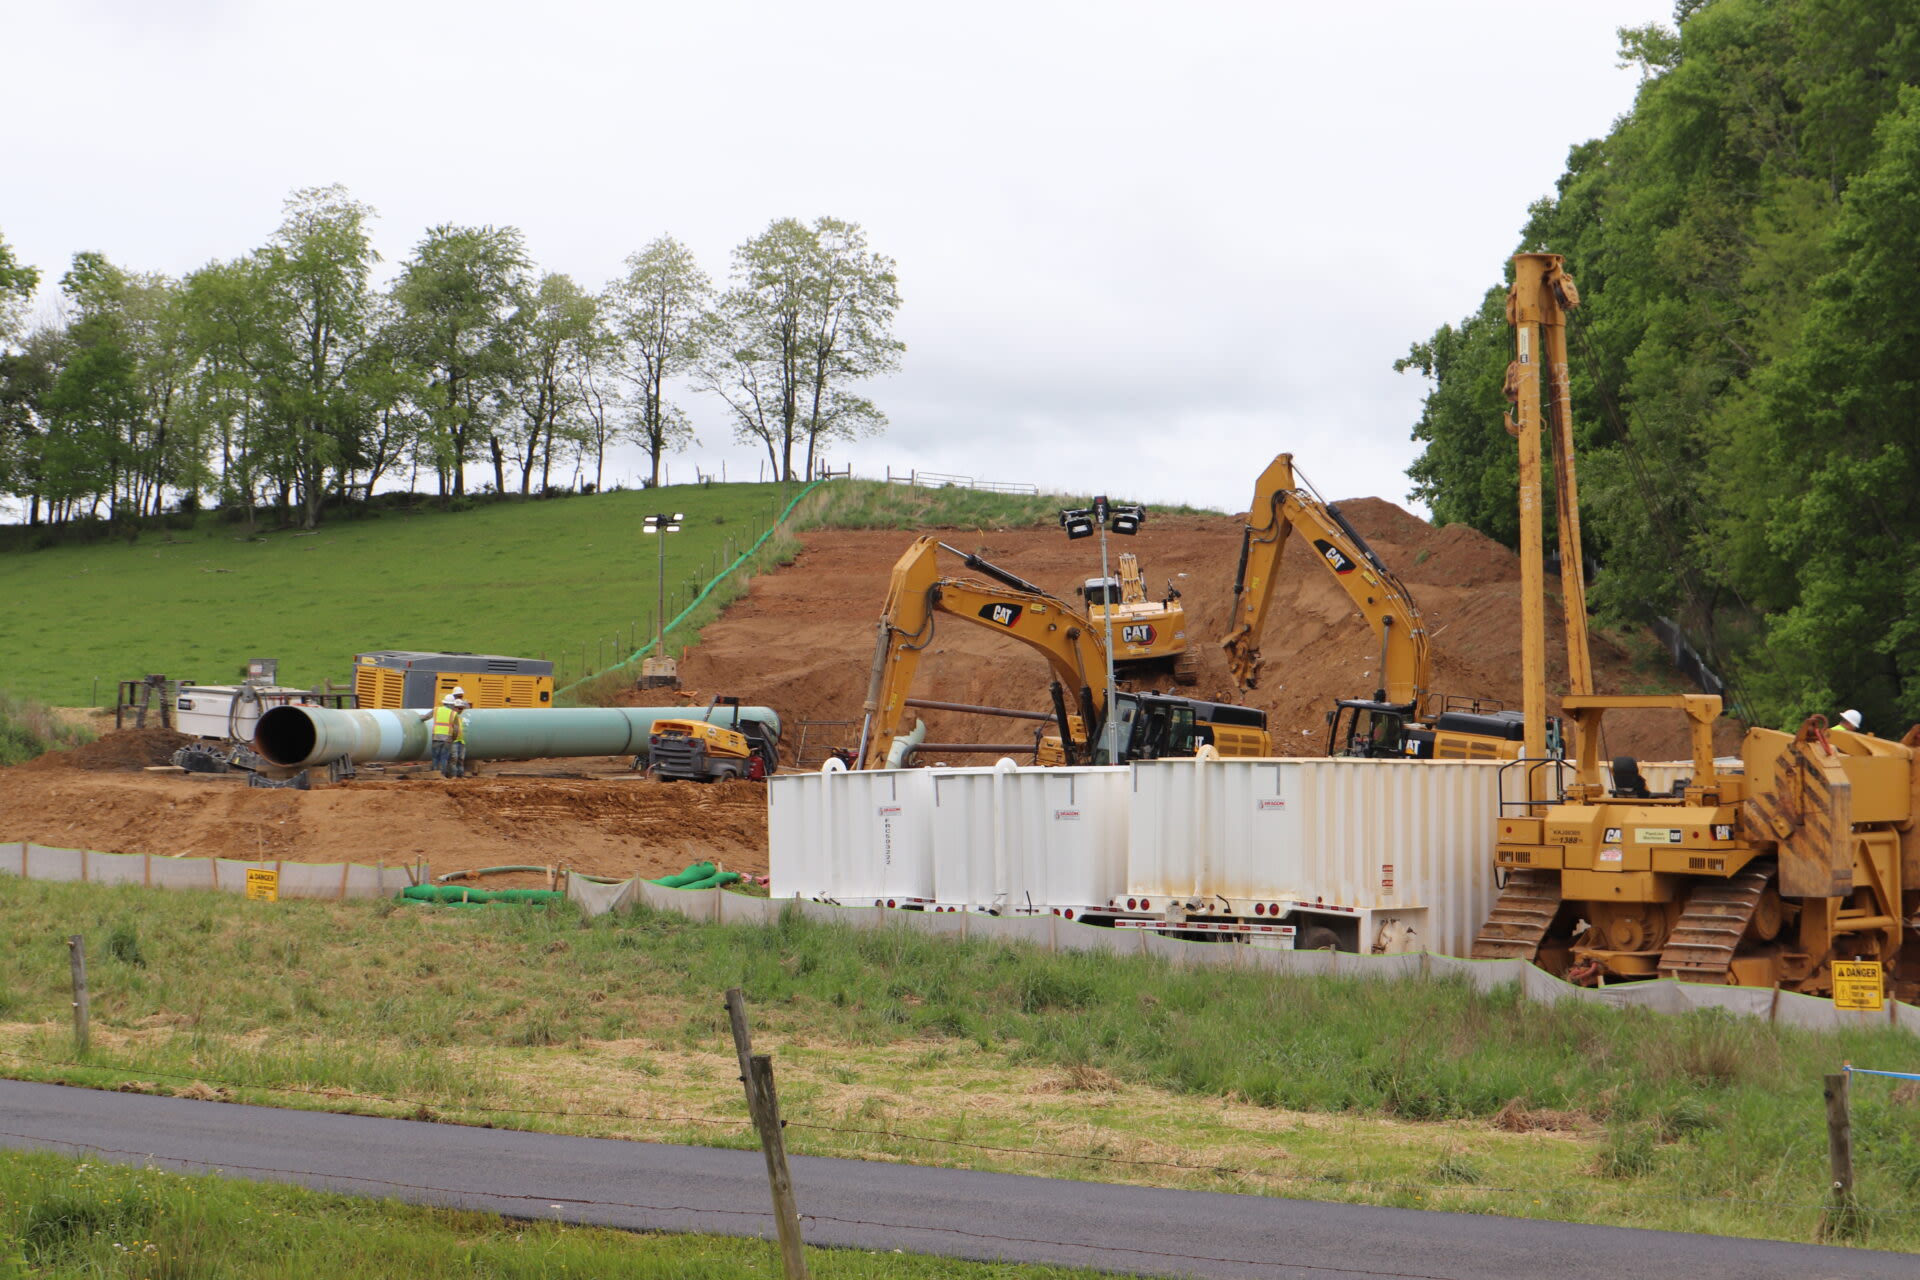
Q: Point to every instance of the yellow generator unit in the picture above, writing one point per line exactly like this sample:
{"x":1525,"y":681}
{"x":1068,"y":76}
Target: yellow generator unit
{"x":394,"y":678}
{"x":707,"y":750}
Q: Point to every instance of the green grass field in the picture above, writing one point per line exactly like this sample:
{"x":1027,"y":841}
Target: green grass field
{"x":572,"y":579}
{"x":891,"y":1044}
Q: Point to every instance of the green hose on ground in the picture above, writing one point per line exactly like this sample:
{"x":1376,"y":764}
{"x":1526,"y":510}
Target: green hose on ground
{"x":456,"y":894}
{"x":714,"y":881}
{"x":682,"y":879}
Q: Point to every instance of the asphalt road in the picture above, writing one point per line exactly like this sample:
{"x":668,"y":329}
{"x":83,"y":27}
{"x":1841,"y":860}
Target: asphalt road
{"x":650,"y":1186}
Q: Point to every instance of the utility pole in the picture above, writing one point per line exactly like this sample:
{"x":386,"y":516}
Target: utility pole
{"x":1124,"y":518}
{"x":658,"y":668}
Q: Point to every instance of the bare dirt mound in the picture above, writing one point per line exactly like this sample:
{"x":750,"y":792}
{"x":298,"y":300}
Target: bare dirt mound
{"x":614,"y":824}
{"x":801,"y":640}
{"x":121,"y":751}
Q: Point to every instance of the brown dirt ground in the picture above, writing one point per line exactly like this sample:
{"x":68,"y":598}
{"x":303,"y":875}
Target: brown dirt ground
{"x":801,"y":641}
{"x":592,"y":816}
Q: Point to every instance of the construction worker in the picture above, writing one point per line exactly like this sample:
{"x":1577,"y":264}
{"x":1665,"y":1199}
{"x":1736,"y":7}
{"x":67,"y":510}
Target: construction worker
{"x":458,"y":756}
{"x":446,"y":718}
{"x":1852,"y":719}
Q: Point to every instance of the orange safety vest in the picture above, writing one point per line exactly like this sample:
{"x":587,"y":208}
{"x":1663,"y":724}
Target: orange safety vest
{"x":443,"y":723}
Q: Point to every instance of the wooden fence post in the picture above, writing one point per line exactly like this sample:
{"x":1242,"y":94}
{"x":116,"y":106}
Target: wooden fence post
{"x":77,"y":954}
{"x":1842,"y":1216}
{"x":756,"y":1074}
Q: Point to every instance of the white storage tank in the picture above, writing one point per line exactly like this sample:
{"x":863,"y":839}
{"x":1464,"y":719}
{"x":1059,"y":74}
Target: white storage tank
{"x":861,"y":839}
{"x":1393,"y":855}
{"x":1013,"y":840}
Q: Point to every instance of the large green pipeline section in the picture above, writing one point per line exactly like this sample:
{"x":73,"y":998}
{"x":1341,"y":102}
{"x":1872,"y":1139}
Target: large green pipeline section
{"x":297,"y":736}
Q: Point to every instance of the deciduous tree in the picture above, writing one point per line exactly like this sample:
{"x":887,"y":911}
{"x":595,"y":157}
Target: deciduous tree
{"x":659,"y":310}
{"x":809,"y":314}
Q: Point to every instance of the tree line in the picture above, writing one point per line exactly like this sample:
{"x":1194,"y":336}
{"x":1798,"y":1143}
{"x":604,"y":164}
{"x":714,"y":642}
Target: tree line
{"x":1746,"y":361}
{"x":287,"y":377}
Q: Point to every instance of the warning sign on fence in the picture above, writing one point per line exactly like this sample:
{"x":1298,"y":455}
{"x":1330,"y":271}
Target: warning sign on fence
{"x":1856,"y":985}
{"x":263,"y":884}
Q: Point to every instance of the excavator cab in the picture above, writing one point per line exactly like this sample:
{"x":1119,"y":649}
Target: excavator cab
{"x":1156,"y":728}
{"x":1372,"y":730}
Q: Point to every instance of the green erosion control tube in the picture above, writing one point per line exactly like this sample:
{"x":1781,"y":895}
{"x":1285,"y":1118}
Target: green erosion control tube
{"x":681,"y":879}
{"x":457,"y":894}
{"x":294,"y":736}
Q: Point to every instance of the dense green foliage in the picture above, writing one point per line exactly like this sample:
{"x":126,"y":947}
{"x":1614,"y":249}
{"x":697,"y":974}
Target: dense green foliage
{"x":286,"y":377}
{"x":71,"y":1216}
{"x":1745,"y":362}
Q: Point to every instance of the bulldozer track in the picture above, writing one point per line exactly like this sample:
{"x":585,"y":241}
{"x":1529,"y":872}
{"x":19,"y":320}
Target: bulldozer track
{"x":1519,"y":921}
{"x":1702,"y":945}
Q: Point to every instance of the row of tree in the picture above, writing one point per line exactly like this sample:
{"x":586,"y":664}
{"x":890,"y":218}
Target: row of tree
{"x":1746,"y":362}
{"x":288,"y":376}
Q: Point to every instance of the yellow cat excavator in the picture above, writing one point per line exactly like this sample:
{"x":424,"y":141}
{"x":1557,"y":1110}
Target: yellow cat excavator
{"x":1404,"y":718}
{"x":1149,"y":636}
{"x":1149,"y":725}
{"x":1797,"y":862}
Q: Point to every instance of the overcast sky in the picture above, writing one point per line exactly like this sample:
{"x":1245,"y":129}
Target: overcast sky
{"x":1142,"y":247}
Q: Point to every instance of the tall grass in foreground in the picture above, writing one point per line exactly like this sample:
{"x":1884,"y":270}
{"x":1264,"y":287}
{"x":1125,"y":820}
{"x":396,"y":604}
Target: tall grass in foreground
{"x":62,"y":1216}
{"x":400,"y":1002}
{"x":29,"y":728}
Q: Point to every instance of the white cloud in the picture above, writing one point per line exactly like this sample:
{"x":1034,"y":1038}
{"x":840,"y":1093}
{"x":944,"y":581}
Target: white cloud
{"x":1142,"y":247}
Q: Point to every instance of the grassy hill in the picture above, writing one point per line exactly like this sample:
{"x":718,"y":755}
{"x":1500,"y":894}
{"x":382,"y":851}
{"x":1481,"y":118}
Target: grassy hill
{"x":571,"y":579}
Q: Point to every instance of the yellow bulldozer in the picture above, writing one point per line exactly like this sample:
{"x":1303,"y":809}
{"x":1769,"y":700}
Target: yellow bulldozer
{"x":1797,"y":860}
{"x":1762,"y":871}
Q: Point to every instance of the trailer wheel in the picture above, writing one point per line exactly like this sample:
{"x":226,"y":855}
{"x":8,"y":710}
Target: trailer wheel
{"x":1317,"y":937}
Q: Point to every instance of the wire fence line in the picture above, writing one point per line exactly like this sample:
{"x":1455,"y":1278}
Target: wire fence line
{"x":741,"y":1127}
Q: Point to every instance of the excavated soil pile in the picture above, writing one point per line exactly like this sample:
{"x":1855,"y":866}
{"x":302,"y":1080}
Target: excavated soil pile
{"x":614,"y":826}
{"x":117,"y":752}
{"x":802,"y":640}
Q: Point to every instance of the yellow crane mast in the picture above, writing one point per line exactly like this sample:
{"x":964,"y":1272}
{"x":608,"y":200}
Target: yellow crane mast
{"x":1768,"y":871}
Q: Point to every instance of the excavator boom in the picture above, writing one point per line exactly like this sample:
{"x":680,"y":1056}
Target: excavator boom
{"x":1009,"y":604}
{"x":1282,"y":502}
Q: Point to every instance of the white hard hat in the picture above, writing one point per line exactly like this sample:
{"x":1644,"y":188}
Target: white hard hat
{"x":458,"y":692}
{"x":451,"y":700}
{"x":1852,"y":718}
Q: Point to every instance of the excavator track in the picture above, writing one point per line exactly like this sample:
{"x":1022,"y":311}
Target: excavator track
{"x":1519,"y":921}
{"x":1703,"y":942}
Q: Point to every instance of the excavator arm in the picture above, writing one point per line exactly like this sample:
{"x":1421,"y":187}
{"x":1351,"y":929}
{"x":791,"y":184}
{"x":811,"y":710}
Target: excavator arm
{"x":1283,"y":501}
{"x":1008,"y":604}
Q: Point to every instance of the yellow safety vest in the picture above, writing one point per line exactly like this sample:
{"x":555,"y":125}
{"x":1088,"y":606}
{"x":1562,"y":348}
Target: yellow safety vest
{"x":460,"y":726}
{"x":443,"y":716}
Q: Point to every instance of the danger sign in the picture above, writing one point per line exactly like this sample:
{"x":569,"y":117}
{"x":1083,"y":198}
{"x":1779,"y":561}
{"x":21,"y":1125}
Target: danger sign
{"x":263,"y":883}
{"x":1857,"y":985}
